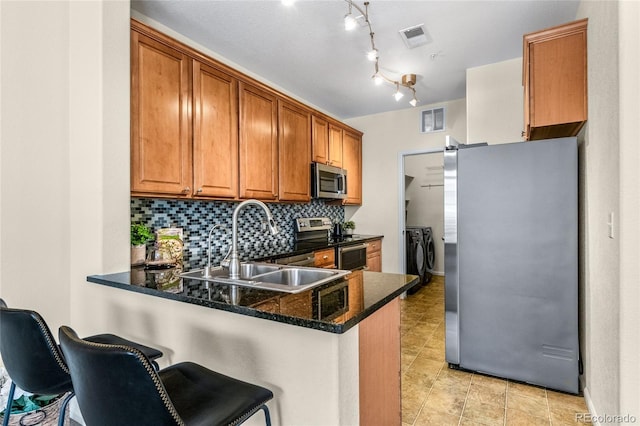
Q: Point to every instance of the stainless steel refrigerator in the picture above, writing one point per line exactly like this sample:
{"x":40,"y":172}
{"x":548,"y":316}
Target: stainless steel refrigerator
{"x":511,"y":260}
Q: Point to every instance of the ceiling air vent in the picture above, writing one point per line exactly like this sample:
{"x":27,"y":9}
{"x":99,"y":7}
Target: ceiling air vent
{"x":415,"y":36}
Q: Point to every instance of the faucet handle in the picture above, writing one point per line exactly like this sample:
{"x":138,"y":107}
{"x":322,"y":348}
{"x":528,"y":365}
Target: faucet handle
{"x":269,"y":225}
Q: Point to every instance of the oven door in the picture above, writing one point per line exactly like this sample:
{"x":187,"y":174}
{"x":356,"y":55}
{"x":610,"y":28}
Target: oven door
{"x":352,"y":257}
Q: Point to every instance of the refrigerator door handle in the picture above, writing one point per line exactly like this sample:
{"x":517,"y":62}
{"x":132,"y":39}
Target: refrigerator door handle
{"x":450,"y":238}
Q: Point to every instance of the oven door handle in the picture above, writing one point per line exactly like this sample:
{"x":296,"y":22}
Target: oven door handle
{"x":353,"y":248}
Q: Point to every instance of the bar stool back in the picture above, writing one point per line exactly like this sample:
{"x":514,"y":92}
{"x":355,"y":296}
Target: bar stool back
{"x":31,"y":357}
{"x":34,"y":360}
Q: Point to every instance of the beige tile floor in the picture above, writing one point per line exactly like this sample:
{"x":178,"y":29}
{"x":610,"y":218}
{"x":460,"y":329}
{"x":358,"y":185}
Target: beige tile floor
{"x":433,"y":394}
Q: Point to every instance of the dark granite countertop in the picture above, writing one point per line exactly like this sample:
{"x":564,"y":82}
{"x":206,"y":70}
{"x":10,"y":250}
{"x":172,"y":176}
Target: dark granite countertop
{"x":302,"y":247}
{"x":368,"y":292}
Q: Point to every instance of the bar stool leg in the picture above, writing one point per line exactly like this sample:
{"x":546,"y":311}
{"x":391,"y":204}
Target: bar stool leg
{"x":267,"y":417}
{"x":7,"y":411}
{"x":63,"y":408}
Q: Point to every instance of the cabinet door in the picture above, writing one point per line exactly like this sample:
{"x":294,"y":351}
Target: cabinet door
{"x":294,"y":150}
{"x":215,"y":132}
{"x":374,"y":262}
{"x":352,"y":163}
{"x":380,"y":366}
{"x":320,"y":140}
{"x":335,"y":146}
{"x":555,"y":73}
{"x":374,"y":256}
{"x":325,"y":259}
{"x":258,"y":143}
{"x":160,"y":122}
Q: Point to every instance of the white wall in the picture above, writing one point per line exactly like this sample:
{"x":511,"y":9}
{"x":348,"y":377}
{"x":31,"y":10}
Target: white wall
{"x":629,"y":37}
{"x":599,"y":195}
{"x":34,"y":169}
{"x":495,"y":102}
{"x":386,"y":135}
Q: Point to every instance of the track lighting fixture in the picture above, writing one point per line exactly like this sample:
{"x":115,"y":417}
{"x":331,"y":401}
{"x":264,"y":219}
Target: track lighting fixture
{"x":407,"y":81}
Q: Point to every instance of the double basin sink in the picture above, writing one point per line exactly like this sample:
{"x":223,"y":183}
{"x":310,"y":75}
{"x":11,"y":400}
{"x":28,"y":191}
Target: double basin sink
{"x":267,"y":276}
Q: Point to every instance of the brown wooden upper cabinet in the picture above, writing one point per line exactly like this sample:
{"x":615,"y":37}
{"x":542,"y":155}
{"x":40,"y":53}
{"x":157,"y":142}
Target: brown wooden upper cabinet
{"x":335,"y":145}
{"x":555,"y":81}
{"x":200,"y":129}
{"x":215,"y":132}
{"x":294,"y":148}
{"x":160,"y":122}
{"x":352,"y":163}
{"x":320,"y":139}
{"x":177,"y":151}
{"x":327,"y":142}
{"x":258,"y":143}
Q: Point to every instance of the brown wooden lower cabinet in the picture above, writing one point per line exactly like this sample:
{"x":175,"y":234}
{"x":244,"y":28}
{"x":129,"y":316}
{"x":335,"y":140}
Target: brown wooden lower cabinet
{"x":374,"y":256}
{"x":325,"y":258}
{"x":380,"y":402}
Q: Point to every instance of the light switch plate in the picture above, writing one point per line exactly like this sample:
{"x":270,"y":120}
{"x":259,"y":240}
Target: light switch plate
{"x":610,"y":224}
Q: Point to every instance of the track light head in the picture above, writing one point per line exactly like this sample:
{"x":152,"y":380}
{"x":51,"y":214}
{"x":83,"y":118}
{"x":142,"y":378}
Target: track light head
{"x":398,"y":95}
{"x":349,"y":22}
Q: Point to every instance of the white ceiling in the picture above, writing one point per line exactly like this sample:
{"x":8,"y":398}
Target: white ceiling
{"x":305,"y":50}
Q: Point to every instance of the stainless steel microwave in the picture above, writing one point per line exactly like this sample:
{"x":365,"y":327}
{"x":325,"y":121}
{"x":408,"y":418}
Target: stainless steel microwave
{"x":328,"y":182}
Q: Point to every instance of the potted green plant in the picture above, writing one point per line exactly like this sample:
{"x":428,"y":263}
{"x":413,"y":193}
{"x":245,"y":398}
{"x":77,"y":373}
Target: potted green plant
{"x":348,"y":227}
{"x":140,"y":234}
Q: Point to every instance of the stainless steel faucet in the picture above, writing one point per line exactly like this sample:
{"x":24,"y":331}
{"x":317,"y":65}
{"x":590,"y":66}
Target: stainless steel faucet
{"x":234,"y":258}
{"x":207,"y":270}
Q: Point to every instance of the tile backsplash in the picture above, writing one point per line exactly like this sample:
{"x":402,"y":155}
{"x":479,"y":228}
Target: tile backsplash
{"x":197,"y":217}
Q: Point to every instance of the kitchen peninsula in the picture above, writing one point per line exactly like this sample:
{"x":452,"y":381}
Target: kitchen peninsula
{"x":339,"y":371}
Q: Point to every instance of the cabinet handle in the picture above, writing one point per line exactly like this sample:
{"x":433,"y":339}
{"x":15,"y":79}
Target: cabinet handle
{"x":199,"y":190}
{"x":325,"y":257}
{"x":187,"y":189}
